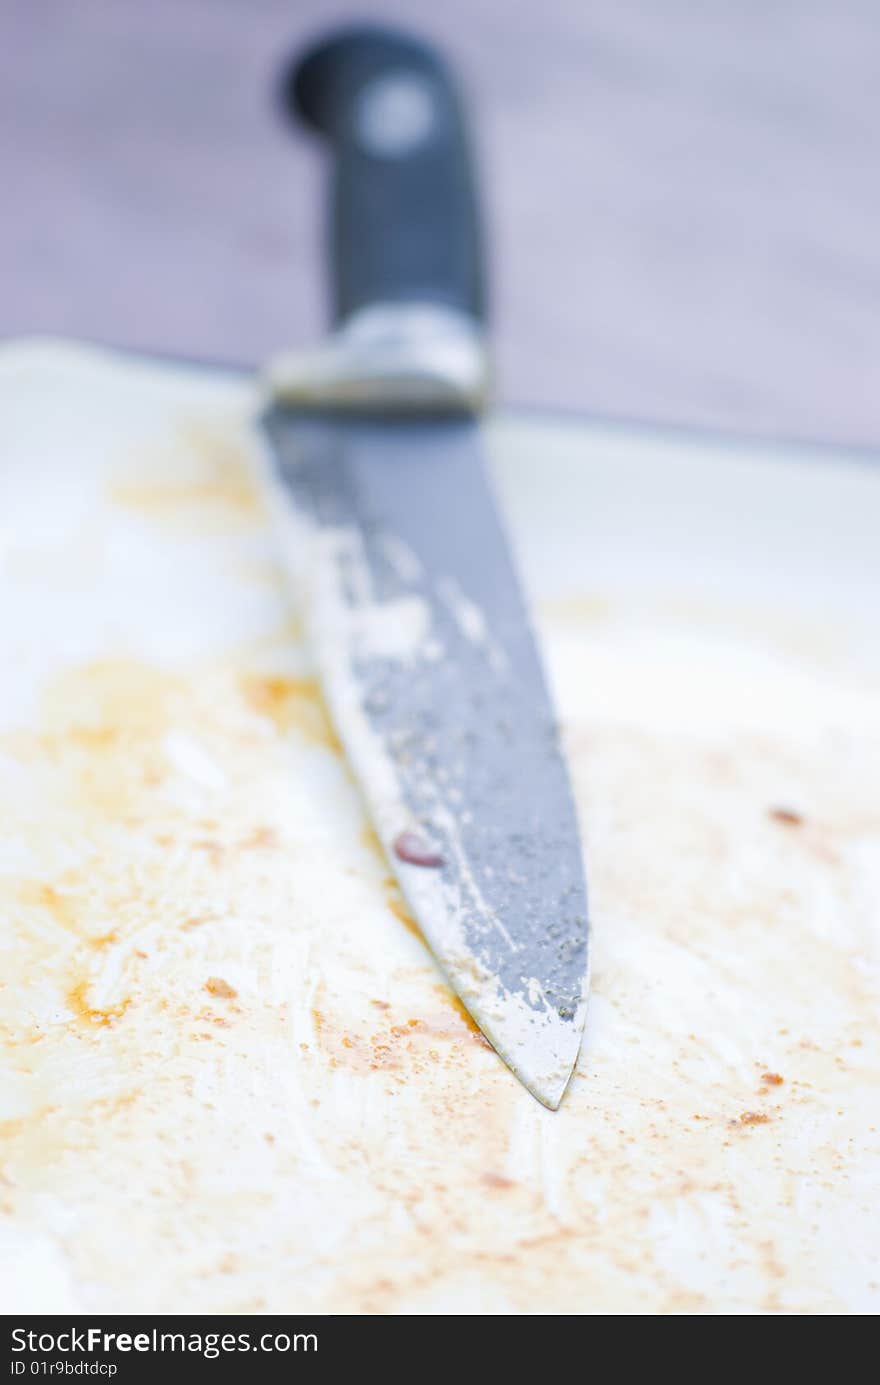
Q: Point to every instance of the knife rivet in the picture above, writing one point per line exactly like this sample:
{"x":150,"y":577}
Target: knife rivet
{"x":413,"y":849}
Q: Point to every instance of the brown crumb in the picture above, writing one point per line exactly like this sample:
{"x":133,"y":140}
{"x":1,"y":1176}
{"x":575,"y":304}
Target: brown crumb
{"x":752,"y":1118}
{"x":787,"y":816}
{"x":773,"y":1079}
{"x":217,"y":986}
{"x":497,"y":1180}
{"x":260,"y":837}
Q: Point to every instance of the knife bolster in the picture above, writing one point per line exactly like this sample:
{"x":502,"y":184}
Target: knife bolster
{"x":390,"y":357}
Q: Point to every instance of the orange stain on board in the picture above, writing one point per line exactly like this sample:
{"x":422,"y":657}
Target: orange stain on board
{"x":103,"y":728}
{"x":397,"y":904}
{"x":464,"y":1015}
{"x":497,"y":1180}
{"x":393,"y":896}
{"x":97,"y":1017}
{"x":99,"y":703}
{"x":370,"y":840}
{"x":55,"y":902}
{"x":104,"y":939}
{"x":292,"y":703}
{"x":406,"y":1046}
{"x":69,"y":912}
{"x":203,"y":478}
{"x":215,"y":985}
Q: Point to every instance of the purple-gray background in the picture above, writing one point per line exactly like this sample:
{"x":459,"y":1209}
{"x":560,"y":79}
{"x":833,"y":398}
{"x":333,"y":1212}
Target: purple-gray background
{"x":683,"y":197}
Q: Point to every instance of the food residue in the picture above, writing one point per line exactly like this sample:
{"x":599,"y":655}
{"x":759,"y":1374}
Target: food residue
{"x":413,"y":849}
{"x":292,"y":703}
{"x":203,"y":477}
{"x":101,"y":1017}
{"x":497,"y":1180}
{"x":217,"y":986}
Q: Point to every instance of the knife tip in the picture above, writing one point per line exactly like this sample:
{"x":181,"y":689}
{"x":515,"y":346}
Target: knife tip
{"x":545,"y":1069}
{"x":550,"y":1094}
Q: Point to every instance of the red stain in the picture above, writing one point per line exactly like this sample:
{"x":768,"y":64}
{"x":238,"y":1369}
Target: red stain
{"x":413,"y":849}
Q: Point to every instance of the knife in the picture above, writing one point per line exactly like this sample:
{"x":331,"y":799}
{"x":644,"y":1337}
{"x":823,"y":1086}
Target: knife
{"x":420,"y":633}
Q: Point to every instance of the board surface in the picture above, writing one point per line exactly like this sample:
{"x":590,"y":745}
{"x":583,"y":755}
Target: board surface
{"x":232,"y":1079}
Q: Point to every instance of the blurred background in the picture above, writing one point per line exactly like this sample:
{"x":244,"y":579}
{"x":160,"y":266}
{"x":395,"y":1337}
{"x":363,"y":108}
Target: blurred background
{"x":682,"y":195}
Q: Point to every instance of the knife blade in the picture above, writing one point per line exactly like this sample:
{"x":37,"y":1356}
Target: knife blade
{"x":420,"y":632}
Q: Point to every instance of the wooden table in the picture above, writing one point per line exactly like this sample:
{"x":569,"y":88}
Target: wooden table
{"x":683,"y":198}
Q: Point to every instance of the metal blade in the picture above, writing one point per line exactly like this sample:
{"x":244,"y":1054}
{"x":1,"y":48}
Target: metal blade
{"x":433,"y":679}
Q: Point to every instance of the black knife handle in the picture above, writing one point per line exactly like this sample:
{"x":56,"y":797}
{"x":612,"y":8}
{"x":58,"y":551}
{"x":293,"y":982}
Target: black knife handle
{"x":404,"y":213}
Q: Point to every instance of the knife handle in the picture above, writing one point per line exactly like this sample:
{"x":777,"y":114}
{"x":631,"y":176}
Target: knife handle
{"x":404,"y":213}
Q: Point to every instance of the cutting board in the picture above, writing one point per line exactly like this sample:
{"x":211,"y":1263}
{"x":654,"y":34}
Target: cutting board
{"x":233,"y":1080}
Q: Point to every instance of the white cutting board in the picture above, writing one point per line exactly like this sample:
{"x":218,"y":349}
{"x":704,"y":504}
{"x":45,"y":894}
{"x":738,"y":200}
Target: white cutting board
{"x":232,"y":1078}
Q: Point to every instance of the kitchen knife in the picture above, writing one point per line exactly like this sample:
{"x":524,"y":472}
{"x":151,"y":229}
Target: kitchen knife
{"x":420,"y":633}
